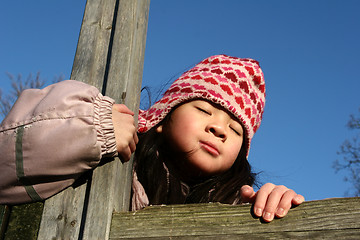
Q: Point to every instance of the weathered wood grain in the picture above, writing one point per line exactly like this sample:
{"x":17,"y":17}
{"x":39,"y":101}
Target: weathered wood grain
{"x":63,"y":213}
{"x":111,"y":183}
{"x":109,"y":56}
{"x":325,"y":219}
{"x":91,"y":58}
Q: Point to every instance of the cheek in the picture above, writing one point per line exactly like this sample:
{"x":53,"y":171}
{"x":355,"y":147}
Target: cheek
{"x":233,"y":153}
{"x":182,"y":132}
{"x":180,"y":138}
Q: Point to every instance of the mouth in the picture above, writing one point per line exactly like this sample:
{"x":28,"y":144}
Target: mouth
{"x":210,"y":148}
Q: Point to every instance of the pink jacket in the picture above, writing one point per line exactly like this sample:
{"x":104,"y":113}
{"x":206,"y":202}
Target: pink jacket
{"x":52,"y":136}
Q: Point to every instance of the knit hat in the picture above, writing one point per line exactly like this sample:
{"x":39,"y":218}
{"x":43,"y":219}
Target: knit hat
{"x":237,"y":84}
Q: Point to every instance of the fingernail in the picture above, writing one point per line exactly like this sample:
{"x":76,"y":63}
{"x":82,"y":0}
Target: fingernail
{"x":298,"y":198}
{"x":268,"y":216}
{"x":258,"y":212}
{"x":280,"y":212}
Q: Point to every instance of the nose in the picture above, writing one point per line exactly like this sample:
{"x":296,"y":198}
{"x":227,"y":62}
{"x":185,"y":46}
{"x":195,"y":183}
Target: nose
{"x":218,"y":131}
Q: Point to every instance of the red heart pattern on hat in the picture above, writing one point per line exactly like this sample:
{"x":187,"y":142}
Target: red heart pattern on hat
{"x":237,"y":84}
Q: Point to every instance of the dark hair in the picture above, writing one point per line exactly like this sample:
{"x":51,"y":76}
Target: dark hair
{"x":163,"y":185}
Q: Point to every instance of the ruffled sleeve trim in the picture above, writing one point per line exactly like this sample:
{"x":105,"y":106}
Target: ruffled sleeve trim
{"x":104,"y":125}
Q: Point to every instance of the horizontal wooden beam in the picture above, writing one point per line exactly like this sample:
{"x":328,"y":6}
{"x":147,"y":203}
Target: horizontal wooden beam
{"x":325,"y":219}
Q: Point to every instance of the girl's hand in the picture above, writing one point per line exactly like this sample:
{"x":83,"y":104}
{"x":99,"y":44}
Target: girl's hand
{"x":271,"y":200}
{"x":125,"y":131}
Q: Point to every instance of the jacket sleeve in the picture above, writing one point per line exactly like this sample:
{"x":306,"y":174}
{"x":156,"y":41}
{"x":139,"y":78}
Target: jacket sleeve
{"x":52,"y":136}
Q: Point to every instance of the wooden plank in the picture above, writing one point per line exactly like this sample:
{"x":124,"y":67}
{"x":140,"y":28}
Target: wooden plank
{"x":111,"y":184}
{"x":325,"y":219}
{"x":62,"y":217}
{"x":91,"y":58}
{"x":110,"y":58}
{"x":24,"y":221}
{"x":125,"y":74}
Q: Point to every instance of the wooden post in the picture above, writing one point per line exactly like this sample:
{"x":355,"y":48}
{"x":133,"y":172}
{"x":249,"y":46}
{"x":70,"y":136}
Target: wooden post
{"x":109,"y":56}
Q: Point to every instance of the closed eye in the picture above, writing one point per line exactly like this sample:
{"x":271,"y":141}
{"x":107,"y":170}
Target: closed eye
{"x":203,"y":110}
{"x":236,"y":131}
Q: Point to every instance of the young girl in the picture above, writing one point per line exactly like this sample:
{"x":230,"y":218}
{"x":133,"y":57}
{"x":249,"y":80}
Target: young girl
{"x":193,"y":147}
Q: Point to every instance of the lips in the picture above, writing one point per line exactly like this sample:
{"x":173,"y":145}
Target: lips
{"x":210,"y":148}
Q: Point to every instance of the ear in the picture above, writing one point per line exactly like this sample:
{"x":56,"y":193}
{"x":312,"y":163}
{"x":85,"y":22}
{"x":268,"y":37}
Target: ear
{"x":159,"y":128}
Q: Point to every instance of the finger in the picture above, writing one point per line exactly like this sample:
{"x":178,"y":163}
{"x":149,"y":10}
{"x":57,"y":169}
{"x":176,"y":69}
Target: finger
{"x":298,"y":199}
{"x":248,"y":194}
{"x":261,"y":198}
{"x":273,"y":201}
{"x":132,"y":146}
{"x":136,"y":138}
{"x":285,"y":203}
{"x":123,"y":109}
{"x":125,"y":154}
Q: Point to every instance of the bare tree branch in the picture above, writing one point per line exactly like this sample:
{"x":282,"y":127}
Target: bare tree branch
{"x":18,"y":84}
{"x":350,"y":152}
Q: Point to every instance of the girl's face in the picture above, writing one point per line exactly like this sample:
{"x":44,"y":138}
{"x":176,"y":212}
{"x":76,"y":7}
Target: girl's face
{"x":207,"y":137}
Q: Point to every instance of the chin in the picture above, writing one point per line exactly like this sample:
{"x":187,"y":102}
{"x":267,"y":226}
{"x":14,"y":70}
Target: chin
{"x":201,"y":172}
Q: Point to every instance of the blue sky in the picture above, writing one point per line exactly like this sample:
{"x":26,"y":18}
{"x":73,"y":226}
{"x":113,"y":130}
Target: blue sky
{"x":309,"y":52}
